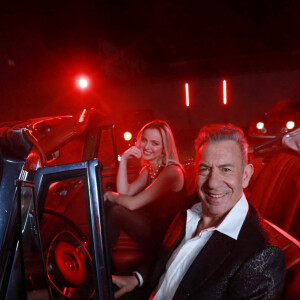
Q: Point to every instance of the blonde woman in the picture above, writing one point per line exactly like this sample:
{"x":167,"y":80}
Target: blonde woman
{"x":146,"y":207}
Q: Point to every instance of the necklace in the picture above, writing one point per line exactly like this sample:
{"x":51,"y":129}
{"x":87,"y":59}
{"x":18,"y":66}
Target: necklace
{"x":153,"y":174}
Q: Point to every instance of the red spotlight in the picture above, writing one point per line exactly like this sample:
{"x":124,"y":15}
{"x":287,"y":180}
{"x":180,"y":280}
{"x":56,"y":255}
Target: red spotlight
{"x":290,"y":125}
{"x":82,"y":82}
{"x":260,"y":125}
{"x":187,"y":95}
{"x":127,"y":136}
{"x":224,"y":92}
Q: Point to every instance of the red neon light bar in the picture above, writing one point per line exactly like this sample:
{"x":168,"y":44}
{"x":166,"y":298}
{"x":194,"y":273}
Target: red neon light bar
{"x":187,"y":96}
{"x":224,"y":92}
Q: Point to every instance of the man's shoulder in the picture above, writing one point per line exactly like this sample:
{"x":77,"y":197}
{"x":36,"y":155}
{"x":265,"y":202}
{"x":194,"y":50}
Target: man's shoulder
{"x":255,"y":231}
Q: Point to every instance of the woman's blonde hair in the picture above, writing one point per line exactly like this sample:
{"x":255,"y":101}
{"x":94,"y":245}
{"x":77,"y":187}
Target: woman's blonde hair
{"x":170,"y":155}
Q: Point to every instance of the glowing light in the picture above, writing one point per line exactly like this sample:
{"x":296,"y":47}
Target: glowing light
{"x":187,"y":95}
{"x":82,"y":116}
{"x":260,"y":125}
{"x":127,"y":136}
{"x":290,"y":125}
{"x":224,"y":92}
{"x":83,"y":83}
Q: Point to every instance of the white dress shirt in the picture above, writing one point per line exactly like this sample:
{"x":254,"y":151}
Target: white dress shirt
{"x":190,"y":246}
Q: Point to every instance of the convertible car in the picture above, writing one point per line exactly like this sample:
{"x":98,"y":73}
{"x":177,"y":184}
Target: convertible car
{"x":53,"y":174}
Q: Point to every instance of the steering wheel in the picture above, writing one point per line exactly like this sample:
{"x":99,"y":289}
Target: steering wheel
{"x":69,"y":267}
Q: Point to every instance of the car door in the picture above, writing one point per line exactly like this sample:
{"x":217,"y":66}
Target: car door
{"x":71,"y":225}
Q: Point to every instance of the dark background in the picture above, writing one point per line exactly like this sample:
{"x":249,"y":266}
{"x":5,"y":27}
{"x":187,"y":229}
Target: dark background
{"x":139,"y":54}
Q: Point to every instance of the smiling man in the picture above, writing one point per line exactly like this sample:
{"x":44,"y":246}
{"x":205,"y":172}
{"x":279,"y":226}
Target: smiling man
{"x":222,"y":172}
{"x":218,"y":249}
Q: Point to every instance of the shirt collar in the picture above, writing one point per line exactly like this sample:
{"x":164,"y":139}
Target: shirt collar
{"x":232,"y":223}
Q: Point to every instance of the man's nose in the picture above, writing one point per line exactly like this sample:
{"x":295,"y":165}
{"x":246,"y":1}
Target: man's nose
{"x":214,"y":179}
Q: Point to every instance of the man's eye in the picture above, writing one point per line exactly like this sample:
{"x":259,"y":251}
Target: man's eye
{"x":203,"y":171}
{"x":226,"y":170}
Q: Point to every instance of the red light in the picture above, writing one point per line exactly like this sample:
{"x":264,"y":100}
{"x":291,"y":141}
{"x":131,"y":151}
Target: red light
{"x":127,"y":136}
{"x":187,"y":96}
{"x":82,"y":116}
{"x":83,"y":82}
{"x":290,"y":124}
{"x":224,"y":92}
{"x":260,"y":125}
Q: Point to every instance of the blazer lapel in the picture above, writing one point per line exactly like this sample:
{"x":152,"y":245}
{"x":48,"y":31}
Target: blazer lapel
{"x":206,"y":263}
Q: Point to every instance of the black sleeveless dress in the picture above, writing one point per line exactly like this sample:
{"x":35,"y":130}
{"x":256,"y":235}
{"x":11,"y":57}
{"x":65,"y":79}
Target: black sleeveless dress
{"x":148,"y":224}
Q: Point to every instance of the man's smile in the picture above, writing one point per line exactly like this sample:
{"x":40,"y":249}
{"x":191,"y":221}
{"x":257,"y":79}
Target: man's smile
{"x":216,"y":195}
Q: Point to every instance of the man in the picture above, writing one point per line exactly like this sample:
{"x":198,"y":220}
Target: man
{"x":219,"y":248}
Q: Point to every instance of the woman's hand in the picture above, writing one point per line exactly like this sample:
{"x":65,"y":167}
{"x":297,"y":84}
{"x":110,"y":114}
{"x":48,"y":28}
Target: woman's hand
{"x":123,"y":186}
{"x":132,"y":151}
{"x":125,"y":283}
{"x":110,"y":196}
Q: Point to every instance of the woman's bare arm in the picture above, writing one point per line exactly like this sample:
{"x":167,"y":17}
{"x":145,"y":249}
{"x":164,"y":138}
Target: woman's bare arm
{"x":123,"y":187}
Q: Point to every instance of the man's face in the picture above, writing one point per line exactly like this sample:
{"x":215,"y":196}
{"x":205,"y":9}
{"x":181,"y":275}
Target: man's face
{"x":221,"y":177}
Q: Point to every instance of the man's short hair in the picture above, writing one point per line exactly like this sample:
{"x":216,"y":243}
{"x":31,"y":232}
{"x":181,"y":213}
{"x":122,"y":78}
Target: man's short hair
{"x":222,"y":132}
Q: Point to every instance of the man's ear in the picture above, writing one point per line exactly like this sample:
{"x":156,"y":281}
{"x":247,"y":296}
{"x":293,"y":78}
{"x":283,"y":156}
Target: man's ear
{"x":248,"y":171}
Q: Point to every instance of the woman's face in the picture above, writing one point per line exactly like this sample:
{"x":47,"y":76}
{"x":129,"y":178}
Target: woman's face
{"x":151,"y":145}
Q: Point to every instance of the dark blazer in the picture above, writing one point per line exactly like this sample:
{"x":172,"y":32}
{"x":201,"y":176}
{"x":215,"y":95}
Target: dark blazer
{"x":251,"y":267}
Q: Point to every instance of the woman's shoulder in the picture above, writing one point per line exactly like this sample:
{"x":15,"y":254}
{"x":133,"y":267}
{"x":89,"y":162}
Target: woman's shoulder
{"x":174,"y":170}
{"x":175,"y":166}
{"x":175,"y":174}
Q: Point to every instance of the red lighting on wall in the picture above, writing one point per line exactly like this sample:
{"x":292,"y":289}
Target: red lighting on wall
{"x":224,"y":92}
{"x":187,"y":95}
